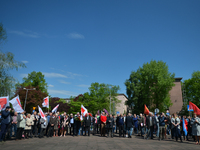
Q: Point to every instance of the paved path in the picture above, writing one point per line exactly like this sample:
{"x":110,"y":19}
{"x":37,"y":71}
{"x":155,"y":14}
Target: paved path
{"x":96,"y":143}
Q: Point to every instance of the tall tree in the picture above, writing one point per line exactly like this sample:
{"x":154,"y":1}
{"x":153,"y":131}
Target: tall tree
{"x":192,"y":88}
{"x":34,"y":97}
{"x":35,"y":79}
{"x":150,"y":85}
{"x":7,"y":63}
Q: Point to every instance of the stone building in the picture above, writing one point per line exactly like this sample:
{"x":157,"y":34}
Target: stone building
{"x":176,"y":97}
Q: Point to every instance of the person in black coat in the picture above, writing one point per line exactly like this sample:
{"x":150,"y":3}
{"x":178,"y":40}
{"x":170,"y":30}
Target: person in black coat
{"x":129,"y":125}
{"x":150,"y":120}
{"x":109,"y":124}
{"x":95,"y":123}
{"x":87,"y":124}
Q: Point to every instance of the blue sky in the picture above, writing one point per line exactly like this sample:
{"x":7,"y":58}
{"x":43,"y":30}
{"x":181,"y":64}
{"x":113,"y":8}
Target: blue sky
{"x":76,"y":43}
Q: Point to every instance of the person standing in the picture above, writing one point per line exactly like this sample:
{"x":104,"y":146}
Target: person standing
{"x":177,"y":128}
{"x":34,"y":117}
{"x":95,"y":123}
{"x":121,"y":125}
{"x":6,"y":115}
{"x":87,"y":123}
{"x":72,"y":125}
{"x":103,"y":123}
{"x":129,"y":125}
{"x":172,"y":126}
{"x":161,"y":125}
{"x":27,"y":129}
{"x":150,"y":120}
{"x":21,"y":123}
{"x":13,"y":125}
{"x":109,"y":124}
{"x":135,"y":120}
{"x":52,"y":123}
{"x":195,"y":122}
{"x":44,"y":124}
{"x":141,"y":124}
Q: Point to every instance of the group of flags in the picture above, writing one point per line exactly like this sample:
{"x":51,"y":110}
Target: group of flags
{"x":4,"y":102}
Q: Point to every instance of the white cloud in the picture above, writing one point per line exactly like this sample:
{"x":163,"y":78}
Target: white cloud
{"x":50,"y":85}
{"x":63,"y":92}
{"x":64,"y":82}
{"x":75,"y":36}
{"x":25,"y":62}
{"x":83,"y":85}
{"x":54,"y":75}
{"x":26,"y":33}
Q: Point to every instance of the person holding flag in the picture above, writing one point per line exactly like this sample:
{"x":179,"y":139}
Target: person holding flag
{"x":196,"y":127}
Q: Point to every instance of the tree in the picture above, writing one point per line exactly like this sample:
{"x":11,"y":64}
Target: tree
{"x":35,"y":79}
{"x":192,"y":88}
{"x":3,"y":35}
{"x":34,"y":97}
{"x":7,"y":62}
{"x":150,"y":85}
{"x":63,"y":106}
{"x":96,"y":99}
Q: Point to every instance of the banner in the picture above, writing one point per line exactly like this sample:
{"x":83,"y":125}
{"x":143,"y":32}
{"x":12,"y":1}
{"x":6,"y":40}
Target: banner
{"x":41,"y":113}
{"x":46,"y":102}
{"x":146,"y":110}
{"x":194,"y":107}
{"x":16,"y":104}
{"x":55,"y":109}
{"x":4,"y":101}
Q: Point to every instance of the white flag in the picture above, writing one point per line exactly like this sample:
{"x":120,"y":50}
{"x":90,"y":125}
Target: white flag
{"x":55,"y":109}
{"x":16,"y":104}
{"x":46,"y":102}
{"x":41,"y":113}
{"x":4,"y":101}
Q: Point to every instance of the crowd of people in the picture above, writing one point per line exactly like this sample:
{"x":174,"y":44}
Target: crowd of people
{"x":160,"y":126}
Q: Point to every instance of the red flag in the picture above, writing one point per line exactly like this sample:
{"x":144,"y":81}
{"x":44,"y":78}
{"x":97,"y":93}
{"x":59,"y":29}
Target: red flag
{"x":17,"y":104}
{"x":4,"y":101}
{"x":146,"y":110}
{"x":194,"y":107}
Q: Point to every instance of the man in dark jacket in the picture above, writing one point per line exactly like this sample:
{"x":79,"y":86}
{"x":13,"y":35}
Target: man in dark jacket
{"x":87,"y":123}
{"x":52,"y":123}
{"x":6,"y":115}
{"x":150,"y":121}
{"x":129,"y":125}
{"x":121,"y":125}
{"x":109,"y":124}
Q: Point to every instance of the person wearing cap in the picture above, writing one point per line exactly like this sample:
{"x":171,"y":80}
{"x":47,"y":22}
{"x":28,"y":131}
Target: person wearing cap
{"x":6,"y":115}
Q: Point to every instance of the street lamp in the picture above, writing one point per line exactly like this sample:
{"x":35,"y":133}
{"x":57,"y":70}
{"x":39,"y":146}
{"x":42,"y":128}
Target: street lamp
{"x":110,"y":97}
{"x":26,"y":95}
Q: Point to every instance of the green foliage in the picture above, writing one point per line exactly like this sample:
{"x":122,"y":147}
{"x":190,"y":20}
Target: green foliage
{"x":96,"y":99}
{"x":150,"y":85}
{"x":7,"y":63}
{"x":192,"y":88}
{"x":3,"y":35}
{"x":35,"y":79}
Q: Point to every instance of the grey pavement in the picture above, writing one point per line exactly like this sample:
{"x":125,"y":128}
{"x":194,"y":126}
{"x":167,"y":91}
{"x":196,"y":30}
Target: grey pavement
{"x":96,"y":143}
